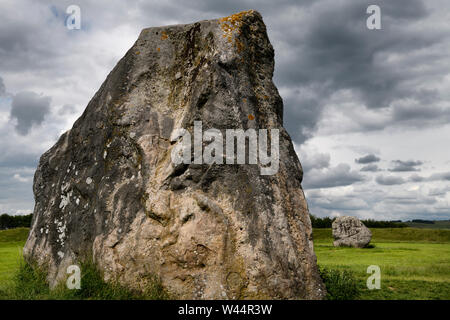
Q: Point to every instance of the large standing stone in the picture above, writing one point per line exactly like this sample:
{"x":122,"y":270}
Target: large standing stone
{"x":350,"y":232}
{"x":108,"y":189}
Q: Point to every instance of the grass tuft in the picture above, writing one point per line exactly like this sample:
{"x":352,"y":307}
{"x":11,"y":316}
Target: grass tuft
{"x":340,"y":284}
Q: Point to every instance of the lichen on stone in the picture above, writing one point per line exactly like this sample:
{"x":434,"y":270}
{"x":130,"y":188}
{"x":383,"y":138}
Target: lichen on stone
{"x":231,"y":27}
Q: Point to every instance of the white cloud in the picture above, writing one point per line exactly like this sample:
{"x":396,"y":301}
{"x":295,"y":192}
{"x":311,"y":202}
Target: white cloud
{"x":19,"y":178}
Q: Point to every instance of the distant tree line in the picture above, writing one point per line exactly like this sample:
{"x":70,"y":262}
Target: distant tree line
{"x":321,"y":222}
{"x":384,"y":224}
{"x":327,"y":222}
{"x":9,"y":222}
{"x":422,"y":221}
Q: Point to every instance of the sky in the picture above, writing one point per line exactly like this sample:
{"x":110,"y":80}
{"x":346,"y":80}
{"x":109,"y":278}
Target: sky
{"x":368,"y":110}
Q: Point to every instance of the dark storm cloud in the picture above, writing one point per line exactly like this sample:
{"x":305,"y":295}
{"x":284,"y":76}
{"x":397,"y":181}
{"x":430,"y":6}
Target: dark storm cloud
{"x":28,"y":109}
{"x":370,"y":168}
{"x":340,"y":51}
{"x":416,"y":178}
{"x":225,"y":8}
{"x":443,"y":176}
{"x":314,"y":161}
{"x":341,"y":175}
{"x":327,"y":50}
{"x":334,"y":50}
{"x":2,"y":87}
{"x":402,"y":9}
{"x":389,"y":180}
{"x":405,"y":166}
{"x":22,"y":41}
{"x":370,"y":158}
{"x":301,"y":121}
{"x":422,"y":113}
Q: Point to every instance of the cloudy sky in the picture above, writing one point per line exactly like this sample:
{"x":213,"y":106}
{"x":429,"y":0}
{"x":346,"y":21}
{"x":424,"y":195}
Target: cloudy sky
{"x":368,"y":110}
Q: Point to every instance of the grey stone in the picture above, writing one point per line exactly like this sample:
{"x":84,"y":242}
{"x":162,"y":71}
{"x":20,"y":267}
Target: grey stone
{"x":208,"y":231}
{"x":350,"y":232}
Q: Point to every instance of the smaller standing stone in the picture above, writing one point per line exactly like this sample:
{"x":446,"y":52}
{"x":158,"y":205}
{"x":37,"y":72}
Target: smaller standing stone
{"x":350,"y":232}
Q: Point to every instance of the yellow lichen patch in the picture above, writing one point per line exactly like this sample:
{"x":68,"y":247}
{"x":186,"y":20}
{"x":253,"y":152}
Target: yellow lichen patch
{"x":235,"y":20}
{"x":164,"y":35}
{"x":138,"y":52}
{"x":233,"y":23}
{"x":158,"y":49}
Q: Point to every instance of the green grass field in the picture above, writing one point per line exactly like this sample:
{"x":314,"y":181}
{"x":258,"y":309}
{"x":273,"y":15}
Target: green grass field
{"x":414,"y":263}
{"x":11,"y":244}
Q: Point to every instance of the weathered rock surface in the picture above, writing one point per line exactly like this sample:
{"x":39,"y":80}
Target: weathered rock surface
{"x":350,"y":232}
{"x":108,"y":190}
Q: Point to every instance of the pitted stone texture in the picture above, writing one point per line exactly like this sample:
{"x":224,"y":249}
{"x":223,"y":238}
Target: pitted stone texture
{"x":108,"y":190}
{"x":350,"y":232}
